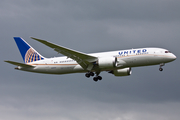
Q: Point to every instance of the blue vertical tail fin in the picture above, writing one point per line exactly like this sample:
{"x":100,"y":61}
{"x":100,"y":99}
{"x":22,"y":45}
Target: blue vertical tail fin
{"x":27,"y":52}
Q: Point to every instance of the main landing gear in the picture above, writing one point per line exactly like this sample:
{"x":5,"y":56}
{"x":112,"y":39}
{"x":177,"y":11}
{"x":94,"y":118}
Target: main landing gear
{"x":88,"y":74}
{"x":160,"y":68}
{"x":96,"y":78}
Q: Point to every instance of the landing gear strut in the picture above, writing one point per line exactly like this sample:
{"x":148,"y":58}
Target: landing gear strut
{"x":160,"y":68}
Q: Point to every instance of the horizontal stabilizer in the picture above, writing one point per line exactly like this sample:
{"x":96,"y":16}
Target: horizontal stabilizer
{"x":19,"y":64}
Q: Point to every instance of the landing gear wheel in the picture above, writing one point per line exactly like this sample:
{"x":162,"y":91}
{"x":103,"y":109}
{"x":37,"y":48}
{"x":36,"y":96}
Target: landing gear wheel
{"x":160,"y":69}
{"x":91,"y":74}
{"x":99,"y":77}
{"x":95,"y":79}
{"x":87,"y":75}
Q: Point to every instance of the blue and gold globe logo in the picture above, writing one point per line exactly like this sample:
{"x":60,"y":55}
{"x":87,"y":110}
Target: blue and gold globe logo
{"x":32,"y":56}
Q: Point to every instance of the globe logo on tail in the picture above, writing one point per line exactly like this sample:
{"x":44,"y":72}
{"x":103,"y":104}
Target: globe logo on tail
{"x":32,"y":56}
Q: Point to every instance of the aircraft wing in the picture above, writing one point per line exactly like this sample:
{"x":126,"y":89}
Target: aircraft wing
{"x":19,"y":64}
{"x":82,"y":59}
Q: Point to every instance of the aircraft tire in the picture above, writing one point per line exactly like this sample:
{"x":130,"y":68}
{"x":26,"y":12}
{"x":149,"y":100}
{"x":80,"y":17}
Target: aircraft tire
{"x":95,"y":79}
{"x":91,"y":74}
{"x":99,"y":77}
{"x":160,"y":69}
{"x":87,"y":75}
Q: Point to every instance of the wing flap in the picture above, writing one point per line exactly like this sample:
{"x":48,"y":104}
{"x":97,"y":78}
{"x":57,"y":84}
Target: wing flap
{"x":82,"y":59}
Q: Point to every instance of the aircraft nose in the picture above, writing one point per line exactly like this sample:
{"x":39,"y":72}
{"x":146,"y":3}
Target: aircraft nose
{"x":173,"y":57}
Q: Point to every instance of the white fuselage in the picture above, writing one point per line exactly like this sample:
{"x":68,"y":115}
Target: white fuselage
{"x":126,"y":58}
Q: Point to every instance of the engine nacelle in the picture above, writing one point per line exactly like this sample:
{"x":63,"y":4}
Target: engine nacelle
{"x":107,"y":62}
{"x":122,"y":72}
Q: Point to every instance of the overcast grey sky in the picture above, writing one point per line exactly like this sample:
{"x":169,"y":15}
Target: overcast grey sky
{"x":90,"y":26}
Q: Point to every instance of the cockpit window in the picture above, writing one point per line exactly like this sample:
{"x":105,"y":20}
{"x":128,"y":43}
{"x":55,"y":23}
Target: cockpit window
{"x":167,"y":52}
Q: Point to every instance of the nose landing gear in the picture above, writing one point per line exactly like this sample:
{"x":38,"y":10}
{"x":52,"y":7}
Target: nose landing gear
{"x":160,"y":68}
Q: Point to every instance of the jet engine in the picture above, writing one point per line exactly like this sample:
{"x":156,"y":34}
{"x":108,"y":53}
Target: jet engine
{"x":107,"y":62}
{"x":121,"y":72}
{"x":110,"y":62}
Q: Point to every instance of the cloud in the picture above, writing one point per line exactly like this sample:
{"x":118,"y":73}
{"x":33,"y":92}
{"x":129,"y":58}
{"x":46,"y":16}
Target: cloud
{"x":90,"y":26}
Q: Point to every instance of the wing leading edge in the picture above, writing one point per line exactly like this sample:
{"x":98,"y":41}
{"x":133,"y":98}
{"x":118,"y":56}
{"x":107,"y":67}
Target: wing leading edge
{"x":84,"y":60}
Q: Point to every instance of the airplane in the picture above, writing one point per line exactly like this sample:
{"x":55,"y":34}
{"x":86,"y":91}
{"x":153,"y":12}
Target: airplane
{"x":118,"y":63}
